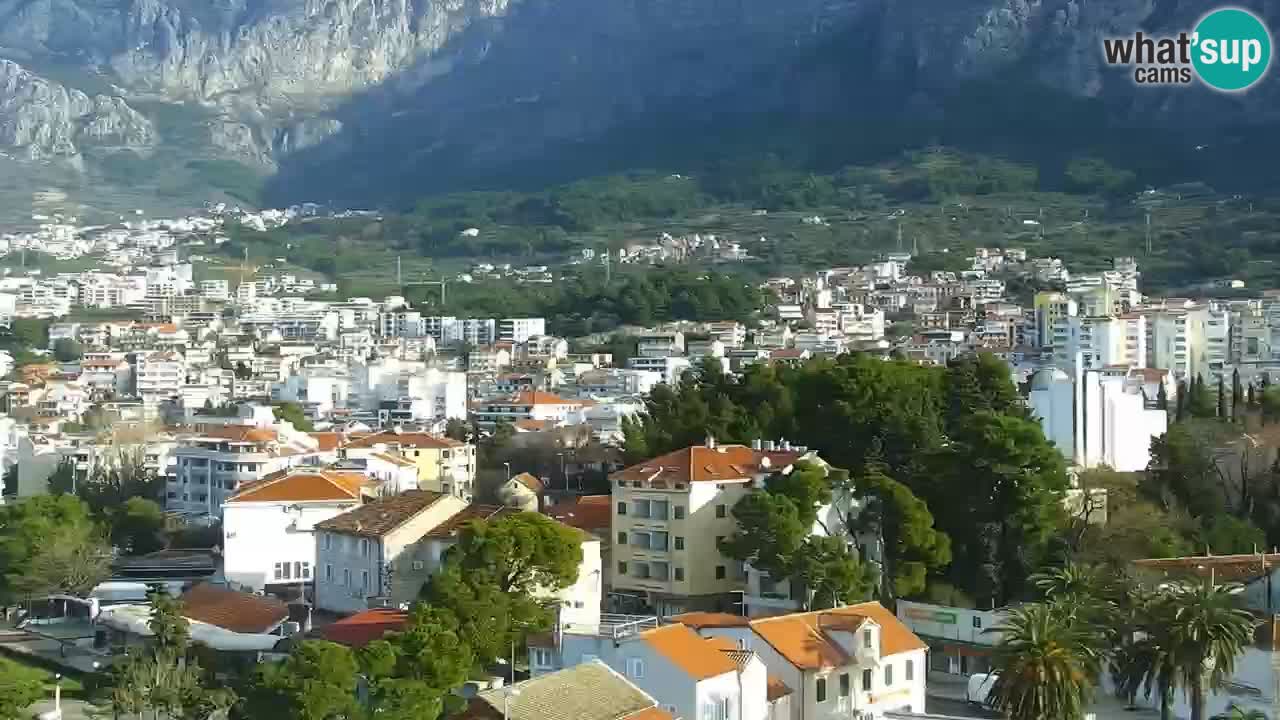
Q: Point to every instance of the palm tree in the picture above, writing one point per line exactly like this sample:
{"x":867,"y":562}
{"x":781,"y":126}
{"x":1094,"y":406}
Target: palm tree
{"x":1207,"y":631}
{"x":1235,"y":712}
{"x":1148,"y":662}
{"x":1046,"y":665}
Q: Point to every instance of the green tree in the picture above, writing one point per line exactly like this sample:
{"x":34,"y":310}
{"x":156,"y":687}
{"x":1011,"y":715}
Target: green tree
{"x":317,"y":681}
{"x":1207,"y":631}
{"x":1000,"y":527}
{"x":458,"y":429}
{"x":1162,"y":397}
{"x":20,"y":688}
{"x":1201,"y":402}
{"x":1149,"y":663}
{"x":912,"y":546}
{"x":1270,"y":403}
{"x":1181,"y":408}
{"x":1046,"y":665}
{"x":496,"y":576}
{"x":137,"y":527}
{"x":1222,"y":399}
{"x":1237,"y":712}
{"x":413,"y":672}
{"x":50,"y":544}
{"x":67,"y":350}
{"x":292,"y":413}
{"x":1237,"y":396}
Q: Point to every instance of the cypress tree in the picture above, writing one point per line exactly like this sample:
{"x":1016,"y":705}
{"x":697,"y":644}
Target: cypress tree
{"x":1222,"y":398}
{"x":1181,"y":401}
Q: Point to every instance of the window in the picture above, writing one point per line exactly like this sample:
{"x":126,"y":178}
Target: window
{"x":328,"y":573}
{"x":364,"y":580}
{"x":910,"y":673}
{"x":679,"y":512}
{"x":346,"y":577}
{"x":888,"y":675}
{"x":719,"y":572}
{"x":679,"y":574}
{"x":328,"y":541}
{"x":364,"y":547}
{"x":622,"y":508}
{"x":302,"y":570}
{"x":622,"y":538}
{"x":679,"y":542}
{"x":418,"y":564}
{"x":635,"y":668}
{"x":541,"y":657}
{"x":844,"y":685}
{"x":721,"y":511}
{"x":866,"y":681}
{"x":821,"y":690}
{"x":866,"y":639}
{"x":622,"y":568}
{"x":977,"y":621}
{"x":282,"y":571}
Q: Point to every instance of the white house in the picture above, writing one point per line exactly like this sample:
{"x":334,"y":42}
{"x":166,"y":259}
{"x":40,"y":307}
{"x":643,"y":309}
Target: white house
{"x":268,"y":527}
{"x":837,"y":662}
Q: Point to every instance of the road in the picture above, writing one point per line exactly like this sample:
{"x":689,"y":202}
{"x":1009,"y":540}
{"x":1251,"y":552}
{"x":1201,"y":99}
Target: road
{"x":956,"y":708}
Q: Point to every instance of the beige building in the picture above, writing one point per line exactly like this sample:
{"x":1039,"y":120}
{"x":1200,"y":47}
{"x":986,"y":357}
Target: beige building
{"x":444,"y":465}
{"x":669,"y":514}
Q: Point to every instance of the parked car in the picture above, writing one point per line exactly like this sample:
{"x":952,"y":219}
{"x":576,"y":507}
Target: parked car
{"x":978,"y":691}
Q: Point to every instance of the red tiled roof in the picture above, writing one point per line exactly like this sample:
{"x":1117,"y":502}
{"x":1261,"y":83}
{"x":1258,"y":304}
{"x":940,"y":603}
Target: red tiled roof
{"x":231,"y":610}
{"x":381,"y":516}
{"x":404,"y":439}
{"x":327,"y":441}
{"x":710,"y":464}
{"x":1222,"y":568}
{"x":364,"y":627}
{"x":589,"y":513}
{"x":699,"y":620}
{"x":450,"y":527}
{"x":304,"y":486}
{"x":530,"y":482}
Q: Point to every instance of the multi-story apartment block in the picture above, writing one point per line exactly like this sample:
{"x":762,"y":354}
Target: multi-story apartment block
{"x":1053,"y":312}
{"x":214,"y":462}
{"x":158,"y":376}
{"x":519,"y":330}
{"x":535,"y":405}
{"x":669,"y":514}
{"x":1176,"y":339}
{"x":444,"y":465}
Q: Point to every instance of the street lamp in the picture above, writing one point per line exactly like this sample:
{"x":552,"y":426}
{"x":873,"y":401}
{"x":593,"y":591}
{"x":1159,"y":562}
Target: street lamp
{"x":512,"y":691}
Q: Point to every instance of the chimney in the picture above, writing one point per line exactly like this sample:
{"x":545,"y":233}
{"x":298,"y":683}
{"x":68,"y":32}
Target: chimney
{"x":711,"y":441}
{"x":768,"y":445}
{"x":757,"y":444}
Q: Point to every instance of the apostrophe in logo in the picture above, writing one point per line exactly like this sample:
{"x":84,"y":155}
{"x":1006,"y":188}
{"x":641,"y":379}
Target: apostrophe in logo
{"x":1231,"y":49}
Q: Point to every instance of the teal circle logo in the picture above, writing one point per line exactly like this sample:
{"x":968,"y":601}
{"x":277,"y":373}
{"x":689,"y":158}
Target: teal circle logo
{"x":1231,"y":49}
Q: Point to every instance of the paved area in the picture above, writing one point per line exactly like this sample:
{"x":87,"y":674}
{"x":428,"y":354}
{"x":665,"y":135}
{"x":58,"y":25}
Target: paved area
{"x":946,"y":696}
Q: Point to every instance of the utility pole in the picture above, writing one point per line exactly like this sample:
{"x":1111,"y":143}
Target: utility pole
{"x":399,"y":276}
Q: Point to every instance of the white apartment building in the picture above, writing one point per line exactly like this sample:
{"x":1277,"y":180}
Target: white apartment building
{"x":532,"y":405}
{"x":268,"y":526}
{"x":1108,"y":341}
{"x":1109,"y":406}
{"x":158,"y":377}
{"x":1177,"y":338}
{"x":1053,"y":311}
{"x":219,"y":290}
{"x":853,"y":661}
{"x":519,"y":330}
{"x":213,"y":463}
{"x":670,"y":368}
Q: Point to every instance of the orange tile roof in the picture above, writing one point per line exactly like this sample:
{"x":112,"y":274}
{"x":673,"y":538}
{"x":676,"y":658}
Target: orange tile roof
{"x":364,"y":627}
{"x":653,"y":713}
{"x":722,"y":644}
{"x":305,"y":486}
{"x":692,"y":654}
{"x":776,"y":689}
{"x":231,"y":610}
{"x":404,"y":439}
{"x":589,"y":516}
{"x":450,"y":527}
{"x":530,"y":482}
{"x":239,"y":433}
{"x":393,"y":459}
{"x":381,"y":516}
{"x":802,"y":638}
{"x":327,"y":441}
{"x":705,"y":464}
{"x":528,"y":425}
{"x":699,"y":620}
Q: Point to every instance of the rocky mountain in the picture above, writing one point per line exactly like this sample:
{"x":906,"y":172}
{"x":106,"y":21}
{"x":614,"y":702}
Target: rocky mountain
{"x":341,"y":96}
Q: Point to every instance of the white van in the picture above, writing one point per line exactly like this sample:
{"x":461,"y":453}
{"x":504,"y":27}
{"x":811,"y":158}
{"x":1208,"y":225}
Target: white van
{"x":978,"y":691}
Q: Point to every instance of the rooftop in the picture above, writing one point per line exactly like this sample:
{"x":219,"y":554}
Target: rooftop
{"x":232,"y":610}
{"x":420,"y":440}
{"x":364,"y":627}
{"x":715,"y":463}
{"x":589,"y":691}
{"x":381,"y":516}
{"x":1221,"y":568}
{"x":305,"y":486}
{"x":450,"y":527}
{"x":804,"y":639}
{"x":689,"y":652}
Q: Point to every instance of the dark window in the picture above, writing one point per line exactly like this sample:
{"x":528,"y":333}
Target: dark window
{"x":679,"y":512}
{"x":679,"y":543}
{"x":622,"y":508}
{"x":888,"y":675}
{"x":822,"y":690}
{"x":866,"y":681}
{"x":911,"y":671}
{"x":679,"y":573}
{"x":720,"y":511}
{"x":622,"y":568}
{"x":844,"y":685}
{"x":622,"y":538}
{"x":719,"y":572}
{"x":977,"y":621}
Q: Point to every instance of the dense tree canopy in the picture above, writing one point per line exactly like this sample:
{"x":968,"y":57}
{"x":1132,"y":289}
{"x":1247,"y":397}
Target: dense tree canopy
{"x":50,"y":544}
{"x":949,"y":450}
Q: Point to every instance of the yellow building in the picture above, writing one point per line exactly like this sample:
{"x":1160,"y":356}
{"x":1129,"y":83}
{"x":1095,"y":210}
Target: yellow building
{"x":669,"y":514}
{"x":444,"y":465}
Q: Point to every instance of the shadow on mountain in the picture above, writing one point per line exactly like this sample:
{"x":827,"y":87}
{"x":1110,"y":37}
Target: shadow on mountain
{"x":562,"y":90}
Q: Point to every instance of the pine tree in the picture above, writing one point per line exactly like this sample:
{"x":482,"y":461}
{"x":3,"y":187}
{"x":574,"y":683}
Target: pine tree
{"x":1162,"y":398}
{"x":1181,"y":412}
{"x":1237,"y":392}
